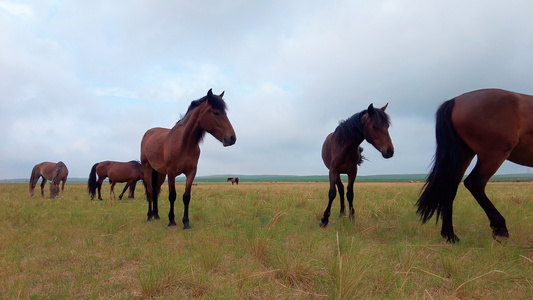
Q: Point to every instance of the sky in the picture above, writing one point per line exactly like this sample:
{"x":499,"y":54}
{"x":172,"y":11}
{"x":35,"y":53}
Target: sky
{"x":82,"y":81}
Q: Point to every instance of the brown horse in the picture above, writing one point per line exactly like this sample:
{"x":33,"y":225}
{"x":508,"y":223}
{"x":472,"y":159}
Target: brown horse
{"x":495,"y":125}
{"x":128,"y":172}
{"x":233,"y":180}
{"x":55,"y":172}
{"x":341,"y":152}
{"x":176,"y":151}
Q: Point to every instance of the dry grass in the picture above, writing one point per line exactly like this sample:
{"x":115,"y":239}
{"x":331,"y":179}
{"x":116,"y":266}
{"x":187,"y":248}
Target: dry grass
{"x":262,"y":241}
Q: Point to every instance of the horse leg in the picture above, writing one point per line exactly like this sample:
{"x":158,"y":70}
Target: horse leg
{"x":187,"y":199}
{"x":148,"y":186}
{"x":349,"y":192}
{"x":131,"y":193}
{"x":476,"y":183}
{"x":158,"y":179}
{"x":112,"y":191}
{"x":99,"y":186}
{"x":43,"y":183}
{"x":63,"y":187}
{"x":331,"y":195}
{"x":340,"y":188}
{"x":171,"y":199}
{"x":447,"y":207}
{"x":123,"y":191}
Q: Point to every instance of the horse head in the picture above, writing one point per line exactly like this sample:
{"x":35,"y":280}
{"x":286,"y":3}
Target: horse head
{"x":214,"y":119}
{"x":376,"y":130}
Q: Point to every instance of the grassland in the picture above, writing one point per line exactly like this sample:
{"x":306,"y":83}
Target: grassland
{"x":262,"y":241}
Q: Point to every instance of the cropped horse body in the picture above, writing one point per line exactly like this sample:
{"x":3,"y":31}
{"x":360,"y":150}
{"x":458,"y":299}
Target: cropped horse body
{"x":55,"y":172}
{"x":176,"y":151}
{"x":233,"y":180}
{"x":496,"y":125}
{"x":341,"y":152}
{"x":128,"y":172}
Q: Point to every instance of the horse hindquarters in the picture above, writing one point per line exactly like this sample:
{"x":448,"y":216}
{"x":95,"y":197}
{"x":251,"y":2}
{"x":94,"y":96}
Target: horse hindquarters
{"x":452,"y":157}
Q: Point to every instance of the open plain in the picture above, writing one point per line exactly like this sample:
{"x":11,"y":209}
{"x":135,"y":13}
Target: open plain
{"x":261,"y":240}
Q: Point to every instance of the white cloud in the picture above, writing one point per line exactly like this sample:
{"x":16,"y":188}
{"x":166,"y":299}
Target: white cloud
{"x":93,"y":77}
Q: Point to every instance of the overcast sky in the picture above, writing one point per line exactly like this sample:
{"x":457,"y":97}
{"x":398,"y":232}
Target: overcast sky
{"x":81,"y":81}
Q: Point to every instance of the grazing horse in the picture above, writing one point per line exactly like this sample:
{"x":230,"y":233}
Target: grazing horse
{"x":496,"y":125}
{"x":128,"y":172}
{"x":233,"y":180}
{"x":176,"y":151}
{"x":55,"y":172}
{"x":341,"y":152}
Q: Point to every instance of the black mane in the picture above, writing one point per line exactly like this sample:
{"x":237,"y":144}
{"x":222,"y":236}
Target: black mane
{"x":215,"y":101}
{"x":352,"y":128}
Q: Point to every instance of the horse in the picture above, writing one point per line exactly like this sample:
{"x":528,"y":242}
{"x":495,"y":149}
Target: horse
{"x":176,"y":151}
{"x":128,"y":172}
{"x":233,"y":180}
{"x":494,"y":124}
{"x":55,"y":172}
{"x":341,"y":151}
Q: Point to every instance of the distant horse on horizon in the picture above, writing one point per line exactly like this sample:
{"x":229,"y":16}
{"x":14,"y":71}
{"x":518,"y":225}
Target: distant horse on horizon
{"x":233,"y":180}
{"x":128,"y":172}
{"x":341,"y":151}
{"x":55,"y":172}
{"x":496,"y":125}
{"x":176,"y":151}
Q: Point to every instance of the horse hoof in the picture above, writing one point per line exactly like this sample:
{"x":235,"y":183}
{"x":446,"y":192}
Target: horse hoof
{"x":157,"y":217}
{"x":500,"y":235}
{"x":186,"y":226}
{"x":323,"y":224}
{"x":171,"y":224}
{"x":452,"y":239}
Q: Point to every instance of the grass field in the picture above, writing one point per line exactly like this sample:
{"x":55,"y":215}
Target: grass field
{"x":262,"y":241}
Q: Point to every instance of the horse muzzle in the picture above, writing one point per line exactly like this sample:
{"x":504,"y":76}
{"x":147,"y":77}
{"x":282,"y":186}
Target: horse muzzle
{"x":229,"y":140}
{"x":387,"y":153}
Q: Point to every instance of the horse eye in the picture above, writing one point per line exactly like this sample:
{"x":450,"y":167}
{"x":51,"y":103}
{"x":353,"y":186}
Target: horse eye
{"x":216,"y":113}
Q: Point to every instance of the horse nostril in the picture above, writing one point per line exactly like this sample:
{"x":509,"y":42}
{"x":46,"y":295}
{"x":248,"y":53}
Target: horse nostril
{"x":233,"y":139}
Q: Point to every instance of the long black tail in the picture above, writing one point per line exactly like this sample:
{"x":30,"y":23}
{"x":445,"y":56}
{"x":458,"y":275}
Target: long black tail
{"x":91,"y":184}
{"x":448,"y":167}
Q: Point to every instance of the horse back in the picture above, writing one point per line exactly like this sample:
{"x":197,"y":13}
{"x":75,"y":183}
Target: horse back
{"x":47,"y":169}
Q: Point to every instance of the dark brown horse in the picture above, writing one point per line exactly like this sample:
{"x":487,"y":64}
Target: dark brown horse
{"x":128,"y":172}
{"x":55,"y":172}
{"x":495,"y":125}
{"x":176,"y":151}
{"x":341,"y":152}
{"x":233,"y":180}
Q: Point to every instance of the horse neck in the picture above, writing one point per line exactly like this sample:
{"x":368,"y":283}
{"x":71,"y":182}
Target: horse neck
{"x":350,"y":132}
{"x":192,"y":132}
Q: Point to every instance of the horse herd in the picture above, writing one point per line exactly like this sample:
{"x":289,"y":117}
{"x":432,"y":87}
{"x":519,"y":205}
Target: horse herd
{"x":494,"y":125}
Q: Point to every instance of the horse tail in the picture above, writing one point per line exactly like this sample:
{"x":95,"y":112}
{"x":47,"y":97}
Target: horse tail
{"x":91,"y":184}
{"x":34,"y":177}
{"x":448,"y":167}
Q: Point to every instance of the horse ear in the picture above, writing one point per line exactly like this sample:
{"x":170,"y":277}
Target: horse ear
{"x":210,"y":93}
{"x":385,"y":107}
{"x":221,"y":95}
{"x":371,"y":109}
